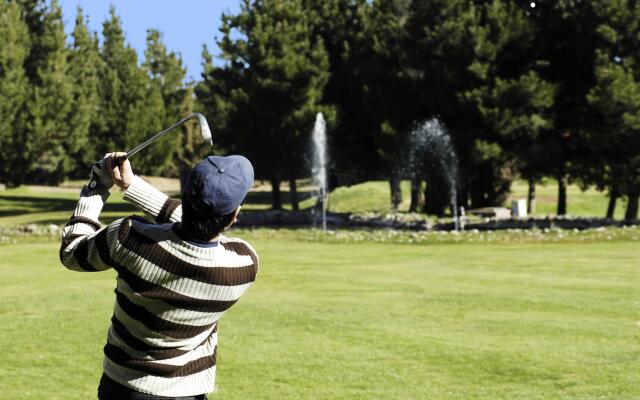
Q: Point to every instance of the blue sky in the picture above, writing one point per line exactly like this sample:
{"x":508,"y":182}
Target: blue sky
{"x":186,"y":25}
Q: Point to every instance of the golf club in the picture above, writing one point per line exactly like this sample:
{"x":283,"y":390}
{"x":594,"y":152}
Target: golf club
{"x":99,"y":170}
{"x":204,"y":131}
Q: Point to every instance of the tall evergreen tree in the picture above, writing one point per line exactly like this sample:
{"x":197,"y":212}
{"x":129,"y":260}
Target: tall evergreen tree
{"x":14,"y":50}
{"x":610,"y":147}
{"x":567,"y":39}
{"x":270,"y":87}
{"x":390,"y":98}
{"x":343,"y":27}
{"x":167,"y":73}
{"x":131,"y":107}
{"x":189,"y":148}
{"x":34,"y":13}
{"x":442,"y":34}
{"x":475,"y":64}
{"x":511,"y":99}
{"x":85,"y":65}
{"x":144,"y":118}
{"x":50,"y":105}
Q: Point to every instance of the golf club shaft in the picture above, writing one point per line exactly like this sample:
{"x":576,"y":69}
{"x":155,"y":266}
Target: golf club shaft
{"x":156,"y":137}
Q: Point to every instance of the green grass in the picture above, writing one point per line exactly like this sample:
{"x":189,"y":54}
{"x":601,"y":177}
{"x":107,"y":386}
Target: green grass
{"x":332,"y":320}
{"x":26,"y":205}
{"x":374,"y":196}
{"x":589,"y":203}
{"x":42,"y":205}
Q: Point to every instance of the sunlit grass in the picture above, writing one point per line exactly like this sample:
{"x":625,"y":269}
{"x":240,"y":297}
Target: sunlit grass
{"x":591,"y":203}
{"x":329,"y":319}
{"x":38,"y":204}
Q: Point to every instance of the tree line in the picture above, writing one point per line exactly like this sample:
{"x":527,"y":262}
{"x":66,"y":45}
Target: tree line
{"x":64,"y":103}
{"x":530,"y":90}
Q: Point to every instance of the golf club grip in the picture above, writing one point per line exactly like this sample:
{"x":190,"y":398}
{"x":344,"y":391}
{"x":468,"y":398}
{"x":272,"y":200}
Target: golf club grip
{"x":119,"y":160}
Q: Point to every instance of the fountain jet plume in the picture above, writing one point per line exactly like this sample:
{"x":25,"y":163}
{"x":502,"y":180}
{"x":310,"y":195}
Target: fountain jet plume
{"x":430,"y":148}
{"x":319,"y":165}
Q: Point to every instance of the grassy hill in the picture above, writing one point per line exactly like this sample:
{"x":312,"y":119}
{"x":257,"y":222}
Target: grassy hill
{"x":374,"y":196}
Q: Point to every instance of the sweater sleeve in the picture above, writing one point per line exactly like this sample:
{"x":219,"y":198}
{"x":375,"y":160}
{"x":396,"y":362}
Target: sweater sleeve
{"x":86,"y":246}
{"x":153,"y":202}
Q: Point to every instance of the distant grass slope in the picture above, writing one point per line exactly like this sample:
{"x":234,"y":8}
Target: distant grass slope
{"x":361,"y":321}
{"x":589,"y":203}
{"x":375,"y":196}
{"x":39,"y":204}
{"x":369,"y":196}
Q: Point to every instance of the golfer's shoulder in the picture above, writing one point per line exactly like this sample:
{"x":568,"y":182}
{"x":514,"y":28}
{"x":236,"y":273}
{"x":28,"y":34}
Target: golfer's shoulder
{"x":124,"y":226}
{"x":240,"y":247}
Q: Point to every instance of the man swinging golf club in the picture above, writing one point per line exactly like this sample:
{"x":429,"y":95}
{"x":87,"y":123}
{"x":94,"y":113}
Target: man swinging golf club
{"x":175,"y":277}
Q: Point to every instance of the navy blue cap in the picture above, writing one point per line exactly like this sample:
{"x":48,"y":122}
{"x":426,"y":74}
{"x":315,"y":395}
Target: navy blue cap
{"x":218,"y":185}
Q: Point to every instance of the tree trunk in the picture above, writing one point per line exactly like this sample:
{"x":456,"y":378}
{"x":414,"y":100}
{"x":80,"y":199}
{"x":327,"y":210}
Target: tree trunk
{"x":293,"y":195}
{"x":613,"y":199}
{"x":562,"y":191}
{"x":276,"y":198}
{"x":417,"y":198}
{"x":463,"y":196}
{"x":436,"y":195}
{"x":396,"y":193}
{"x":632,"y":206}
{"x":531,"y":197}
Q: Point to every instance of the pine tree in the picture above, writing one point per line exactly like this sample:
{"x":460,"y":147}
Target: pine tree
{"x":270,"y":87}
{"x":479,"y":60}
{"x":610,"y":146}
{"x":390,"y":98}
{"x":567,"y":40}
{"x":343,"y":27}
{"x":167,"y":73}
{"x":49,"y":105}
{"x":14,"y":50}
{"x":144,"y":118}
{"x":511,"y":99}
{"x":125,"y":95}
{"x":442,"y":51}
{"x":85,"y":64}
{"x":34,"y":14}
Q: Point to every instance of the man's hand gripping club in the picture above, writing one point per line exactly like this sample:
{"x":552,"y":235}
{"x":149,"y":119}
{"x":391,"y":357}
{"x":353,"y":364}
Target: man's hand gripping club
{"x":114,"y":168}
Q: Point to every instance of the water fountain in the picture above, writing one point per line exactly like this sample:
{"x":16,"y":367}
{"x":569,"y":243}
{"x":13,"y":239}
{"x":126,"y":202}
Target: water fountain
{"x":429,"y":142}
{"x":319,"y":163}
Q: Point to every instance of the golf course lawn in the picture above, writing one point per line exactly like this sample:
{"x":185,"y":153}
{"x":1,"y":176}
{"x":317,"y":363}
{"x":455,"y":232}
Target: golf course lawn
{"x":330,"y":320}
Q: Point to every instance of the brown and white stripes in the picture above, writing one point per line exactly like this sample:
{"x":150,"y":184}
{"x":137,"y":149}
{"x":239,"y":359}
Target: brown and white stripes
{"x":170,"y":293}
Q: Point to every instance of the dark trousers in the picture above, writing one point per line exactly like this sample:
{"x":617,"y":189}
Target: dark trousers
{"x":111,"y":390}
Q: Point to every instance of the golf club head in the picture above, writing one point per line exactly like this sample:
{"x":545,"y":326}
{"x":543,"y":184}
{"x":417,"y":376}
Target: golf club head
{"x":204,"y":128}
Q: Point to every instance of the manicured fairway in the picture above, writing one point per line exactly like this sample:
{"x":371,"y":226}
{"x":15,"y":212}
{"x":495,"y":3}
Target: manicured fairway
{"x":362,"y":321}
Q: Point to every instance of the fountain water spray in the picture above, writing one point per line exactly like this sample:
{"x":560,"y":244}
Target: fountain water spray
{"x":430,"y":142}
{"x":319,"y":165}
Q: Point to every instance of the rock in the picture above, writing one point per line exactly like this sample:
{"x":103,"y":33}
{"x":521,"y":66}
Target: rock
{"x":492,"y":212}
{"x":31,"y":228}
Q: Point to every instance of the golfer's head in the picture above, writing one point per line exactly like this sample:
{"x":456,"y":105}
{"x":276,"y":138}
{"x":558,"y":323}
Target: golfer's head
{"x":213,"y":193}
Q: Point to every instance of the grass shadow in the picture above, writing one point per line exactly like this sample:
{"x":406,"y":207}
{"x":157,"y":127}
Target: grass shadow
{"x":19,"y":205}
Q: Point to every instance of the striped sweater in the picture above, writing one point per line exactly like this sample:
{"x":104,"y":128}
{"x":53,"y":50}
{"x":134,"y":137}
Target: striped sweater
{"x":170,"y":293}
